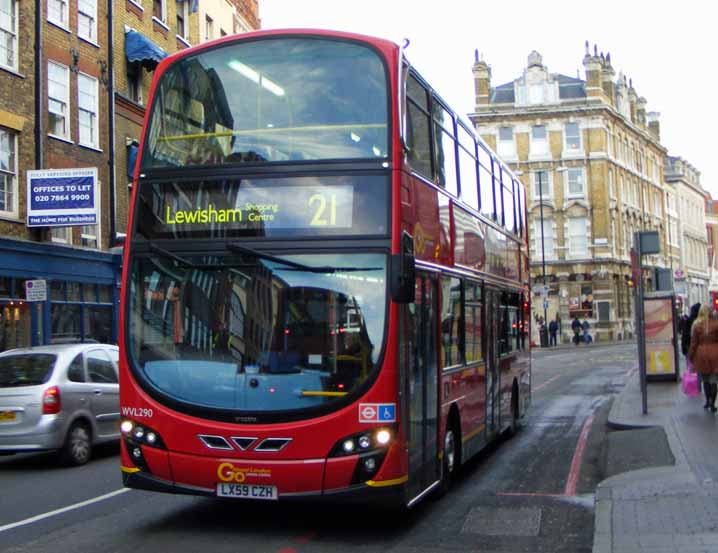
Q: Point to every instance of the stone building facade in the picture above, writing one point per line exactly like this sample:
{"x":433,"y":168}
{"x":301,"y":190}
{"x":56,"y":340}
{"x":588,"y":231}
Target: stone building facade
{"x":692,"y":274}
{"x":591,"y":159}
{"x":711,"y":206}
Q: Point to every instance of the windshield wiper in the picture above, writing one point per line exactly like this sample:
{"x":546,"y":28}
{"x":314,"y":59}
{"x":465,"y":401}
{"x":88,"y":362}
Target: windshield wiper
{"x":293,"y":265}
{"x":187,"y":263}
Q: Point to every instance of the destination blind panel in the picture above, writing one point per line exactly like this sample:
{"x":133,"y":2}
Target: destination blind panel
{"x":303,"y":206}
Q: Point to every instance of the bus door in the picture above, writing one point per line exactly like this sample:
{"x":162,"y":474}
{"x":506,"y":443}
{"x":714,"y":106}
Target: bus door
{"x":422,"y":385}
{"x":491,"y":318}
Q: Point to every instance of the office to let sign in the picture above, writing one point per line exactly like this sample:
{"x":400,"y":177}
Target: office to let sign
{"x":62,"y":197}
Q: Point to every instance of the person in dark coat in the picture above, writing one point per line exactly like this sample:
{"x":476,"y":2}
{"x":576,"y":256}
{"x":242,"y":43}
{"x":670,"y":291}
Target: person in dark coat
{"x":552,"y":330}
{"x":577,"y":328}
{"x":686,"y":328}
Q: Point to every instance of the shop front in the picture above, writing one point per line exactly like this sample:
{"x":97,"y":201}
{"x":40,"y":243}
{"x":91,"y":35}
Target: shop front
{"x":80,"y":301}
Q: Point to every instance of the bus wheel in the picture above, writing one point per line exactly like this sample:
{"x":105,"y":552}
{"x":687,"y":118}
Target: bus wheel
{"x":451,"y":457}
{"x":515,"y":425}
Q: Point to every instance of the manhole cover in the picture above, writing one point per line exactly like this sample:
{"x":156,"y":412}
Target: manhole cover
{"x":501,"y":521}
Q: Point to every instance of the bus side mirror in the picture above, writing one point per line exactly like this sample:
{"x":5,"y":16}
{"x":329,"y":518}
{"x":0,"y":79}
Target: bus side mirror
{"x":403,"y":271}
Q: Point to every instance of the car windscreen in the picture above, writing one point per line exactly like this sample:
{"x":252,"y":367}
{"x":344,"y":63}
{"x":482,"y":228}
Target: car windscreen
{"x":272,"y":100}
{"x":29,"y":369}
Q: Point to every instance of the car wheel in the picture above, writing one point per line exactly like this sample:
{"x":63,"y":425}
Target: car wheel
{"x":77,"y":448}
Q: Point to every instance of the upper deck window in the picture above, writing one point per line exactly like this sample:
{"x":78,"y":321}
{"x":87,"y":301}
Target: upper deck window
{"x":272,"y":100}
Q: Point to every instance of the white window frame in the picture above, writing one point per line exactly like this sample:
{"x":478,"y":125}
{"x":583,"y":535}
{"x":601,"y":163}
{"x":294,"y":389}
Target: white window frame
{"x":94,"y":115}
{"x":567,"y":146}
{"x":9,"y":174}
{"x":61,"y":235}
{"x":89,"y":234}
{"x":208,"y":28}
{"x":134,"y":81}
{"x":539,"y":148}
{"x":89,"y":12}
{"x":506,"y":148}
{"x":63,"y":9}
{"x":574,"y":237}
{"x":163,"y":10}
{"x":549,"y":239}
{"x":182,"y":7}
{"x":65,"y":100}
{"x":575,"y":171}
{"x":8,"y":28}
{"x":546,"y":186}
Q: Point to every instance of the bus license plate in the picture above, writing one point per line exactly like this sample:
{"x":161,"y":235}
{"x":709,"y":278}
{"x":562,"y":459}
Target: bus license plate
{"x":247,"y":491}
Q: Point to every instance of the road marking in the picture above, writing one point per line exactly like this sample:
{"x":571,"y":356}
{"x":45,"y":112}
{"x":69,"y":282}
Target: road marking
{"x":537,"y":388}
{"x":577,"y":458}
{"x":63,"y":510}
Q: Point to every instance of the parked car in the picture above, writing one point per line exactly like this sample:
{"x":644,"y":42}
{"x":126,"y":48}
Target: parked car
{"x":63,"y":397}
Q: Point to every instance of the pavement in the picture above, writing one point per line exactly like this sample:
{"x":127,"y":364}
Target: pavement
{"x":667,"y":509}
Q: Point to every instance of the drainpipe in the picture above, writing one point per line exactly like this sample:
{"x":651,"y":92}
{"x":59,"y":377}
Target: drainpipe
{"x":38,"y":85}
{"x":111,"y":123}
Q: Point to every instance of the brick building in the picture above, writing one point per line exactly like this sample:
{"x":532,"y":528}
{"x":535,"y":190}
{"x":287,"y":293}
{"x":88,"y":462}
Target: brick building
{"x":711,"y":208}
{"x":592,"y":162}
{"x":145,"y":32}
{"x":57,"y":90}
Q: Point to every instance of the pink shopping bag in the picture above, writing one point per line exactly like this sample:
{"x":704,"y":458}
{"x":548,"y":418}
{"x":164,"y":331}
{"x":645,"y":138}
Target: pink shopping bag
{"x":689,"y":384}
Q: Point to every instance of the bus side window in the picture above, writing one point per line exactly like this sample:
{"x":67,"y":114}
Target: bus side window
{"x":418,"y":128}
{"x":486,"y":184}
{"x":445,"y":149}
{"x":451,"y":322}
{"x":472,"y":322}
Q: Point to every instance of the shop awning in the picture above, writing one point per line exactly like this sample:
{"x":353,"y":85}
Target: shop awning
{"x":139,"y":48}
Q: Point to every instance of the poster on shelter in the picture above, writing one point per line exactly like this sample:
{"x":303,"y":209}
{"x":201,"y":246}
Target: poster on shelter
{"x":62,"y":197}
{"x":660,"y":334}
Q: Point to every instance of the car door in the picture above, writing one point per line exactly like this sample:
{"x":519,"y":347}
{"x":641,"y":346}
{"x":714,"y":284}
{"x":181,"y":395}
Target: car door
{"x":105,"y":392}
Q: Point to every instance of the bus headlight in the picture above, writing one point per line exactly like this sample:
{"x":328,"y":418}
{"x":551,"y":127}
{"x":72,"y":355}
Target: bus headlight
{"x":136,"y":433}
{"x":363,"y":442}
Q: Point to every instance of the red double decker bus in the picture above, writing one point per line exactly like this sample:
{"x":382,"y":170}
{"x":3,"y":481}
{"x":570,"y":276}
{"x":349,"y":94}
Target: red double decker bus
{"x":325,"y":286}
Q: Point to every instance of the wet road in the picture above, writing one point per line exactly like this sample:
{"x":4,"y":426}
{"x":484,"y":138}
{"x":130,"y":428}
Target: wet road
{"x":531,"y":493}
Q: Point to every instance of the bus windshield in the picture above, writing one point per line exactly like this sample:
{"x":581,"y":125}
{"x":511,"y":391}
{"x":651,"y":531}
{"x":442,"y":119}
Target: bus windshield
{"x":270,"y":100}
{"x":252,"y":333}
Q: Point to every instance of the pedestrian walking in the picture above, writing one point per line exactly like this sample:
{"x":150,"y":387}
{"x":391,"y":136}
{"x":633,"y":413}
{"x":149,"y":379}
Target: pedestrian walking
{"x":703,"y":353}
{"x":577,"y":328}
{"x":585,"y":326}
{"x":552,"y":330}
{"x":686,"y":328}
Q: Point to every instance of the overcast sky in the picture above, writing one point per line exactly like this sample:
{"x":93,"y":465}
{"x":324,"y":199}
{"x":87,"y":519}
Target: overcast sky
{"x":666,"y":48}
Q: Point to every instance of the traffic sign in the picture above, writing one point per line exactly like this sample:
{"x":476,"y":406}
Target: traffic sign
{"x":36,"y":290}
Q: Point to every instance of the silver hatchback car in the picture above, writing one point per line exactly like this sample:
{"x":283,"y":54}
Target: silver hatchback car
{"x":59,"y":397}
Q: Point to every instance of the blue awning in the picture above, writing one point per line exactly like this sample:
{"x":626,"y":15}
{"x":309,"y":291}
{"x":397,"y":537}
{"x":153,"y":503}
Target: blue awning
{"x":132,"y":150}
{"x":140,"y":48}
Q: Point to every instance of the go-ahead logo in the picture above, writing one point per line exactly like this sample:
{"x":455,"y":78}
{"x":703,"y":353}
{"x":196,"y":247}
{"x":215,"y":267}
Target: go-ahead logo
{"x":227,"y":472}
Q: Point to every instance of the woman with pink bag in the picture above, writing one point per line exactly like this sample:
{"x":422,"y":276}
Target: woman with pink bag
{"x":703,"y":354}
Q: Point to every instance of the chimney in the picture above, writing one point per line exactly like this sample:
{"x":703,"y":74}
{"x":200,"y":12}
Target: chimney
{"x":632,"y":100}
{"x":593,"y":73}
{"x":482,"y":81}
{"x":607,"y":74}
{"x":641,"y":111}
{"x":654,"y":127}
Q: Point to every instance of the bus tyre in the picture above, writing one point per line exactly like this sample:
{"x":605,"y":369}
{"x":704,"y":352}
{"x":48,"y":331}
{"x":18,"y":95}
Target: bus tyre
{"x":77,"y":448}
{"x":450,"y":458}
{"x":515,"y":424}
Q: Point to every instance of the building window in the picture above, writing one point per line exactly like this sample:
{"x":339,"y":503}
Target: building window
{"x":8,"y":34}
{"x":183,"y":18}
{"x":88,"y":236}
{"x":505,"y":144}
{"x":87,"y":19}
{"x":158,"y":10}
{"x":539,"y":141}
{"x":134,"y":82}
{"x":575,"y":183}
{"x":611,"y":185}
{"x":87,"y":110}
{"x":573,"y":137}
{"x":57,"y":12}
{"x":548,"y":251}
{"x":58,"y":95}
{"x":208,"y":28}
{"x":8,"y":172}
{"x":577,"y":239}
{"x":61,"y":235}
{"x":541,"y":184}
